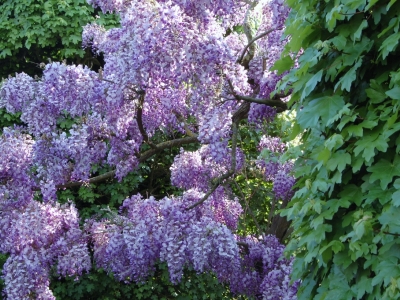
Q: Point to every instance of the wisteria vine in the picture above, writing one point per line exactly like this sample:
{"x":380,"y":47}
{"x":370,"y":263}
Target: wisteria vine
{"x":176,"y":66}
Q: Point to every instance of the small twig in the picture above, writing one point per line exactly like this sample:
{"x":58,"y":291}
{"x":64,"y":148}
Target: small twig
{"x":386,"y":232}
{"x":272,"y":211}
{"x":185,"y":126}
{"x":217,"y":182}
{"x":245,"y":246}
{"x":252,"y":41}
{"x":140,"y":123}
{"x":352,"y":14}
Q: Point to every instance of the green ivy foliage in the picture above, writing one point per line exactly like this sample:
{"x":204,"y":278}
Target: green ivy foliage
{"x":32,"y":31}
{"x":345,"y":92}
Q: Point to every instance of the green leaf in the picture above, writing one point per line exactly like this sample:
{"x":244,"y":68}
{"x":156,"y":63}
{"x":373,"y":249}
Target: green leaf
{"x":394,"y":23}
{"x":389,"y":44}
{"x":283,"y":64}
{"x":396,"y":198}
{"x":386,"y":270}
{"x":75,"y":39}
{"x":357,"y":34}
{"x":324,"y":108}
{"x":334,"y":142}
{"x":5,"y":52}
{"x":370,"y":4}
{"x":376,"y":92}
{"x":348,"y":78}
{"x":324,"y":155}
{"x":375,"y":192}
{"x":339,"y":41}
{"x":333,"y":15}
{"x":338,"y":161}
{"x":394,"y":93}
{"x":369,"y":143}
{"x":310,"y":85}
{"x":350,"y":194}
{"x":390,"y":4}
{"x":384,"y":171}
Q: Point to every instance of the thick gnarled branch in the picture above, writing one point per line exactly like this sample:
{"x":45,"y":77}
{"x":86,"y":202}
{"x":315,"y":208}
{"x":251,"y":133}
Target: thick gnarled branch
{"x":280,"y":105}
{"x":143,"y":157}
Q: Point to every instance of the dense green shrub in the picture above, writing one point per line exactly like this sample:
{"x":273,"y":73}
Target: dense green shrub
{"x":99,"y":285}
{"x":32,"y":31}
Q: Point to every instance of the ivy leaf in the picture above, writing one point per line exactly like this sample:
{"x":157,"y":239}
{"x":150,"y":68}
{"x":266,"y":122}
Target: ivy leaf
{"x":324,"y":108}
{"x":389,"y":44}
{"x":376,"y":92}
{"x":387,"y":269}
{"x":283,"y":64}
{"x":369,"y":143}
{"x":384,"y":171}
{"x":347,"y":79}
{"x":394,"y":93}
{"x":310,"y":85}
{"x":357,"y":34}
{"x":339,"y":160}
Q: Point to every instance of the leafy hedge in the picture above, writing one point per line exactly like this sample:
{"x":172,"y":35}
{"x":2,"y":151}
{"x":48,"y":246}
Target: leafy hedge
{"x":346,"y":94}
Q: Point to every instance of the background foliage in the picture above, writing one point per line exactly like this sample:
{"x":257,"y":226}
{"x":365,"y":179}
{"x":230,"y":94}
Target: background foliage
{"x":32,"y":31}
{"x":346,"y":94}
{"x":99,"y":285}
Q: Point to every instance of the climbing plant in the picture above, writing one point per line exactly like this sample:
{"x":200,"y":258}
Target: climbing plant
{"x":345,"y":93}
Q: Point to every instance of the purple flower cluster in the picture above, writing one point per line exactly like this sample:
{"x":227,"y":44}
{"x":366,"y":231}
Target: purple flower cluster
{"x":149,"y":231}
{"x":218,"y":206}
{"x":215,"y":130}
{"x":61,"y":158}
{"x":283,"y":184}
{"x":275,"y":171}
{"x":38,"y":237}
{"x":15,"y":165}
{"x":196,"y":169}
{"x":63,"y":88}
{"x":273,"y":144}
{"x":269,"y":49}
{"x":260,"y":113}
{"x":264,"y":271}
